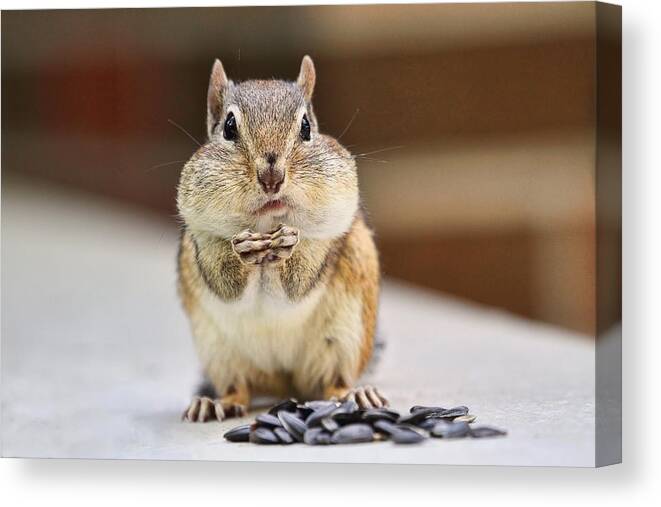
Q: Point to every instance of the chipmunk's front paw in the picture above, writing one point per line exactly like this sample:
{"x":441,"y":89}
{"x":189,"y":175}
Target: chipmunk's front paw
{"x":283,"y":241}
{"x":255,"y":248}
{"x":203,"y":409}
{"x":251,"y":247}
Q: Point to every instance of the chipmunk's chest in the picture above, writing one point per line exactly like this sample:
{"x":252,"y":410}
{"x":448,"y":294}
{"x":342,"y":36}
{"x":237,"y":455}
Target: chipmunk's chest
{"x":263,"y":325}
{"x":264,"y":298}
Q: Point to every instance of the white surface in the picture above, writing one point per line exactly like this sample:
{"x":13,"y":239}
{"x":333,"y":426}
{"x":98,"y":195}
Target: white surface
{"x":97,"y":359}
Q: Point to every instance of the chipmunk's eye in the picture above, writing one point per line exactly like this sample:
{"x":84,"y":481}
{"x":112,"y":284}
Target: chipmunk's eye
{"x":230,"y":131}
{"x":305,"y":128}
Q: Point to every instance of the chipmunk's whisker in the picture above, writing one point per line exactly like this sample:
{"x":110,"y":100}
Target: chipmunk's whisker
{"x":390,"y":148}
{"x":190,"y":136}
{"x":166,"y":164}
{"x":346,"y":129}
{"x":374,"y":159}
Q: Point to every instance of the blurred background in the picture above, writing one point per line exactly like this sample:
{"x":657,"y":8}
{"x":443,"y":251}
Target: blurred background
{"x":479,"y":125}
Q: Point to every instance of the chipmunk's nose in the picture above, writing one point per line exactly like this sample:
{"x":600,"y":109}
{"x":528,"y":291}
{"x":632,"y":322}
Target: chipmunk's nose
{"x":271,"y":177}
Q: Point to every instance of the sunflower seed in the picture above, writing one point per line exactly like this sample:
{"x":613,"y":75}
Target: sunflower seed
{"x":268,"y":421}
{"x":322,"y":412}
{"x":294,"y":426}
{"x":286,"y":405}
{"x":283,"y":435}
{"x":384,"y":426}
{"x":422,"y":414}
{"x":407,"y":435}
{"x":348,"y":418}
{"x":486,"y":431}
{"x":261,"y":435}
{"x":446,"y":429}
{"x":329,"y":424}
{"x":348,"y":406}
{"x":318,"y":404}
{"x":377,"y":414}
{"x":469,"y":418}
{"x":238,"y":434}
{"x":347,"y":413}
{"x":353,"y":434}
{"x":418,"y":408}
{"x":323,"y":438}
{"x":310,"y":435}
{"x":451,"y":413}
{"x":316,"y":436}
{"x":400,"y":434}
{"x":429,"y":423}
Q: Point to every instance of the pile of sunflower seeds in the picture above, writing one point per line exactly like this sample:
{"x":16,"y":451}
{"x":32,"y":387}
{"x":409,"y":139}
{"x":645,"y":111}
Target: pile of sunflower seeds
{"x":331,"y":422}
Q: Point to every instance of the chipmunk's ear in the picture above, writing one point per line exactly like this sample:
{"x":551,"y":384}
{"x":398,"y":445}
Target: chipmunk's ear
{"x":306,"y":77}
{"x":217,"y":86}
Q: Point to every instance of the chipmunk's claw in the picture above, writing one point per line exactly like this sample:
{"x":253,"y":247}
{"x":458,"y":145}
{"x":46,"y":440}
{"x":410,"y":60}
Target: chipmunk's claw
{"x":366,"y":397}
{"x":283,"y":241}
{"x":203,"y":409}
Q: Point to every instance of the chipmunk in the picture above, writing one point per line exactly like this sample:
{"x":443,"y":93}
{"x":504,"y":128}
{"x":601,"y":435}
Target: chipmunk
{"x":278,"y":272}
